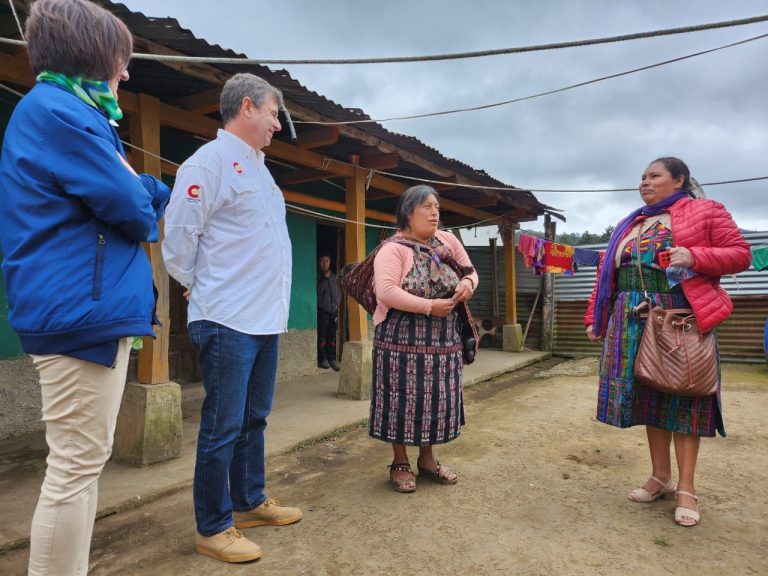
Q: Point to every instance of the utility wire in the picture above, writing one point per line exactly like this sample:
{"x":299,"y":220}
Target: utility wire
{"x":446,"y":182}
{"x":18,"y":22}
{"x":447,"y":56}
{"x":538,"y":95}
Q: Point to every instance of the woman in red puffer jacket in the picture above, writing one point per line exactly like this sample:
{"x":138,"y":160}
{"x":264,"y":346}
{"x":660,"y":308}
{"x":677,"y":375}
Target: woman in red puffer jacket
{"x":701,"y":236}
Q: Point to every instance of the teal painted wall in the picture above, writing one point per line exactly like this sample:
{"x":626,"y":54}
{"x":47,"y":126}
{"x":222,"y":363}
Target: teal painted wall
{"x":303,"y":314}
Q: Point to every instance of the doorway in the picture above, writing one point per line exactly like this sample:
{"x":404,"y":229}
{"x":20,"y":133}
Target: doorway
{"x":330,"y":242}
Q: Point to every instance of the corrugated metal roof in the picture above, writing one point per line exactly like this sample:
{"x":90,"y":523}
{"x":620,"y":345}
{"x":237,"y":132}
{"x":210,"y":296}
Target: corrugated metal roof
{"x":170,"y":83}
{"x":167,"y":84}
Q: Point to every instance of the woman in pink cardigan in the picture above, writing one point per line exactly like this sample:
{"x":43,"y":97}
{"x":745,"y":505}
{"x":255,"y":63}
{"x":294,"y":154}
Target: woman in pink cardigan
{"x":417,"y":348}
{"x":699,"y":235}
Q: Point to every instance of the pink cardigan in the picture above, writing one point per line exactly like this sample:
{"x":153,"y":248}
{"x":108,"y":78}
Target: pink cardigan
{"x":391,"y":266}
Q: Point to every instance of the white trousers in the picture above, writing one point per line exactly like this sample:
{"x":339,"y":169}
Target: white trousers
{"x":80,"y":405}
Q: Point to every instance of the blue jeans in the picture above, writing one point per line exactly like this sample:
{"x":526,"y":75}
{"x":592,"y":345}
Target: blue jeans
{"x":239,"y":379}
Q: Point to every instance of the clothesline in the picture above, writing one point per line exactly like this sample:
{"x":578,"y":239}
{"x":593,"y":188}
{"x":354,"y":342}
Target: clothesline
{"x":547,"y":256}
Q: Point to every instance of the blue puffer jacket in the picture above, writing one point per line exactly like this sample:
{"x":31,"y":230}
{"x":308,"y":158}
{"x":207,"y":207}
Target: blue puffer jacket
{"x":72,"y":221}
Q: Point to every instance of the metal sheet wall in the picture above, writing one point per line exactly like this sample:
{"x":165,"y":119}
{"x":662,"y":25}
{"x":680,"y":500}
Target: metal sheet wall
{"x":748,"y":283}
{"x":528,"y":285}
{"x":740,"y":338}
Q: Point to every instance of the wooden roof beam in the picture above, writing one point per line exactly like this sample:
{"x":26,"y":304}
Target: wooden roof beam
{"x":315,"y":202}
{"x":486,"y":202}
{"x":204,"y":103}
{"x":319,"y":137}
{"x":380,"y":161}
{"x":18,"y":71}
{"x":302,"y":177}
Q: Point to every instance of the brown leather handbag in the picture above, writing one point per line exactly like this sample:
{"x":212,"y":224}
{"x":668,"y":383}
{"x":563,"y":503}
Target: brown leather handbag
{"x":674,"y":356}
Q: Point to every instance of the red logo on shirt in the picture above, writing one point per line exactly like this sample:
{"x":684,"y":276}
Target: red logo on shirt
{"x":237,"y":167}
{"x":194,"y":191}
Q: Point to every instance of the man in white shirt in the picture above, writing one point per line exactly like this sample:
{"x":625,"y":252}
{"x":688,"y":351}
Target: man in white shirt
{"x":227,"y":242}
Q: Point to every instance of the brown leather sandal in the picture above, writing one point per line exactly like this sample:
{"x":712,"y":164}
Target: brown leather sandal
{"x":440,"y":474}
{"x":404,"y":485}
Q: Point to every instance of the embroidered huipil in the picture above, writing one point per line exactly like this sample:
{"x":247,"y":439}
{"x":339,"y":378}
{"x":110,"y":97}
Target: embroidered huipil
{"x":226,"y":238}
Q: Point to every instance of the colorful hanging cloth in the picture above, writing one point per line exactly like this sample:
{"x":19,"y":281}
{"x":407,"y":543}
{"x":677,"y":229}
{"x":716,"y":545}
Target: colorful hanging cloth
{"x":760,"y":257}
{"x":586,"y":257}
{"x":526,"y":245}
{"x":558,"y":258}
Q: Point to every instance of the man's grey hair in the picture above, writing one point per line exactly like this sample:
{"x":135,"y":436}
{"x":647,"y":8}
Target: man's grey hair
{"x":240,"y":86}
{"x":411,"y":198}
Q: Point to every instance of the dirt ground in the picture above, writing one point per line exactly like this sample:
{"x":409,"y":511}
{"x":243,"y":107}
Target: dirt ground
{"x":542,"y":491}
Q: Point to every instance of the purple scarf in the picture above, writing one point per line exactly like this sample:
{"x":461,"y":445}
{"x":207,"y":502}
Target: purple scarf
{"x":605,"y":280}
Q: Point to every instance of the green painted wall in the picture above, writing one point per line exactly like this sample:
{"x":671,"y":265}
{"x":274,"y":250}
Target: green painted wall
{"x":303,"y":315}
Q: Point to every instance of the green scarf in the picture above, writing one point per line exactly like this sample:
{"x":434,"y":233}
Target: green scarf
{"x":95,"y":93}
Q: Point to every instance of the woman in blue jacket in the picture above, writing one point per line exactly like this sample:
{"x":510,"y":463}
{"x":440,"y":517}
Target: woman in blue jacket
{"x":78,"y":282}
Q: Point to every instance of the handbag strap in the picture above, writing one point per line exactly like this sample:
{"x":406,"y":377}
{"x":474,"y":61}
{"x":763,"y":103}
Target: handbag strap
{"x":641,"y":310}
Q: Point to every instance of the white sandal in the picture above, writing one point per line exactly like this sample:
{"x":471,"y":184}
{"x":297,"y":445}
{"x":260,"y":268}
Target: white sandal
{"x":642,"y":495}
{"x":681,"y":512}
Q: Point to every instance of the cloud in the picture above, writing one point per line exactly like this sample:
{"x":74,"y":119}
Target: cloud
{"x":709,"y":110}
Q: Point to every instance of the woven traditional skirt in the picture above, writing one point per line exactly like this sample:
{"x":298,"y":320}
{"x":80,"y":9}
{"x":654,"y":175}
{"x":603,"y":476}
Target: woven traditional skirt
{"x":622,"y":402}
{"x":417,"y":370}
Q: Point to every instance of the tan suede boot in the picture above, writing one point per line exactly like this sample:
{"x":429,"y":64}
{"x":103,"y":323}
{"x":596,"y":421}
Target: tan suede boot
{"x":227,"y":546}
{"x":269,"y":513}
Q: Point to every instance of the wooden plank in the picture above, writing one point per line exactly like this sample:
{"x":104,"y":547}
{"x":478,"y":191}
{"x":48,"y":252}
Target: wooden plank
{"x":380,"y":161}
{"x":145,"y":132}
{"x":354,"y":236}
{"x":188,"y":121}
{"x":203,"y":103}
{"x":315,"y":202}
{"x":319,"y":137}
{"x":494,"y":277}
{"x":16,"y":69}
{"x":302,"y":177}
{"x":510,"y":276}
{"x":484,"y":202}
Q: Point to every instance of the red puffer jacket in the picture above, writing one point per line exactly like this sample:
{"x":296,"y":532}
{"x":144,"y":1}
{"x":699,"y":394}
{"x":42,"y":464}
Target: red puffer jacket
{"x":707,"y":229}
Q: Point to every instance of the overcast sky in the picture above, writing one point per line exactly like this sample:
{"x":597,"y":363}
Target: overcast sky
{"x":710,"y":111}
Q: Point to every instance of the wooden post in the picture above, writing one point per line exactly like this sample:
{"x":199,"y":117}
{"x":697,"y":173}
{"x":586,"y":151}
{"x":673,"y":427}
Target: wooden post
{"x":356,"y":368}
{"x":512,"y":336}
{"x":510,"y":276}
{"x":145,"y":133}
{"x":354,"y":236}
{"x":494,"y":279}
{"x":148,"y":426}
{"x":548,"y":305}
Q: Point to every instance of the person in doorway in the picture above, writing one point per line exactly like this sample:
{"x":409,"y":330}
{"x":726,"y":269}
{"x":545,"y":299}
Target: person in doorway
{"x":226,"y":241}
{"x":78,"y":281}
{"x":699,"y":235}
{"x":328,"y":297}
{"x":417,"y":349}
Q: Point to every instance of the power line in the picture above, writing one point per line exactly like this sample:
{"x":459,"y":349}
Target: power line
{"x":446,"y":182}
{"x":447,"y":56}
{"x":538,"y":95}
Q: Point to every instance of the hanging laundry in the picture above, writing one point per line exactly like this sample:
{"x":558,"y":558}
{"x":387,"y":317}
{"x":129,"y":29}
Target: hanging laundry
{"x":585,"y":257}
{"x":558,"y":258}
{"x":539,"y":263}
{"x":760,"y":257}
{"x":527,"y":247}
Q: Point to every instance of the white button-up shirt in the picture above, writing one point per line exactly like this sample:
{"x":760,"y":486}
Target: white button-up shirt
{"x":226,"y":238}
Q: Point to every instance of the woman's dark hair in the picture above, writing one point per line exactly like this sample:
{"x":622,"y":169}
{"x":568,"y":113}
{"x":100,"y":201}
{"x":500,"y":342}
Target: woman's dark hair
{"x":677,"y":168}
{"x":77,"y":38}
{"x":411,"y":198}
